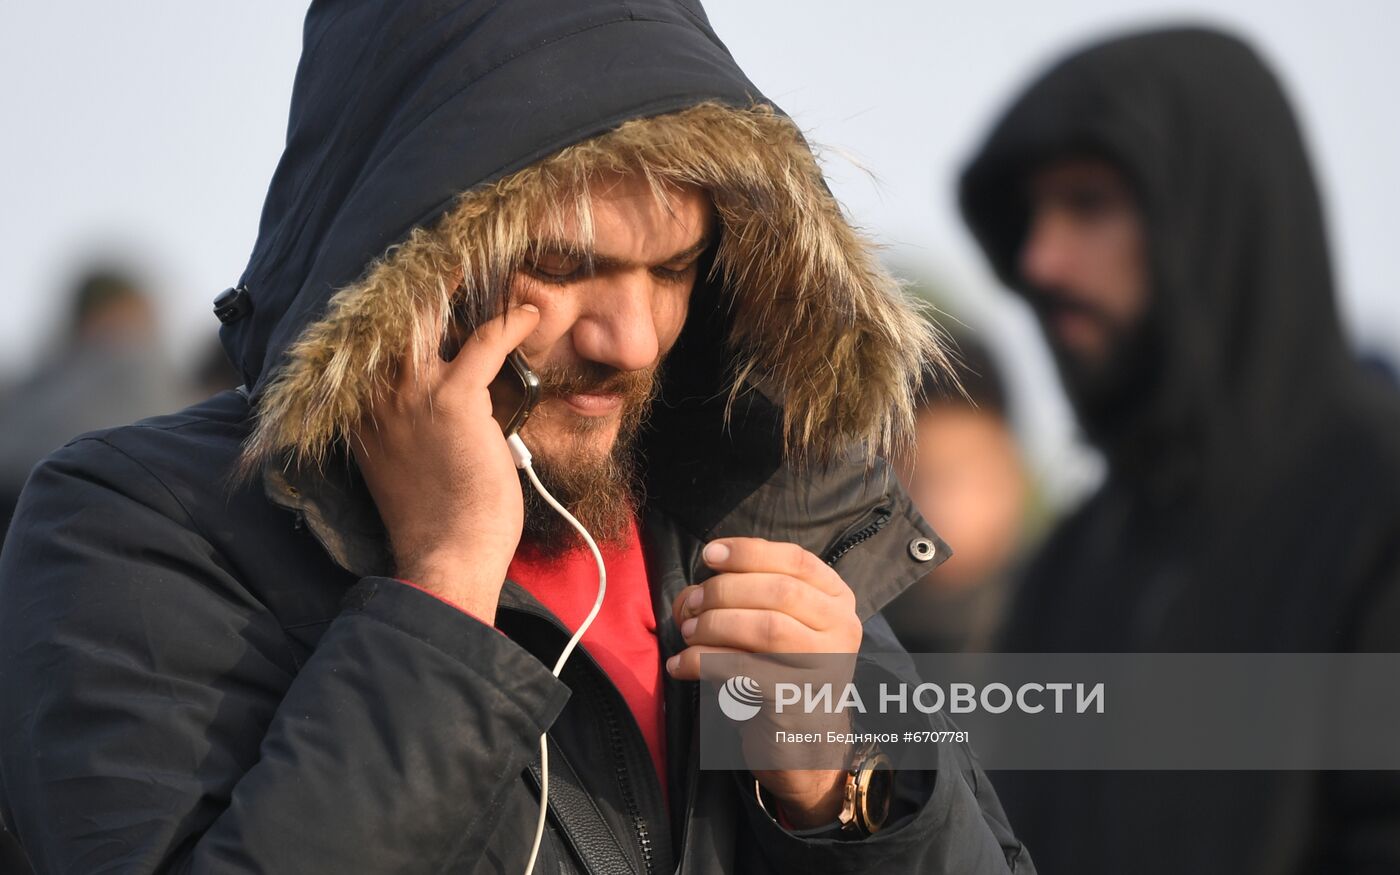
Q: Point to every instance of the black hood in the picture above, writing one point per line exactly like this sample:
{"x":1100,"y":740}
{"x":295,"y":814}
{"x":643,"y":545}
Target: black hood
{"x":400,"y":106}
{"x":1243,"y":321}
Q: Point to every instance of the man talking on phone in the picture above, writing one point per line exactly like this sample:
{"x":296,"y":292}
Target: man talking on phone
{"x":308,"y":626}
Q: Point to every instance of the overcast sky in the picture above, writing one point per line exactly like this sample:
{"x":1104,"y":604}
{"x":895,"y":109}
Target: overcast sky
{"x":149,"y":130}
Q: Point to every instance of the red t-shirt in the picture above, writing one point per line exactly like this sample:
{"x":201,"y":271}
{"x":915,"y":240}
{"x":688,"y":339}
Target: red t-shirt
{"x":622,"y":638}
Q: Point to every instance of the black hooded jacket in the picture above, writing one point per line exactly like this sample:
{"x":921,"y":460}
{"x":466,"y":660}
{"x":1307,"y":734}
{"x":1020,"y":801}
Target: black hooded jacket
{"x":1253,"y":495}
{"x":199,"y":674}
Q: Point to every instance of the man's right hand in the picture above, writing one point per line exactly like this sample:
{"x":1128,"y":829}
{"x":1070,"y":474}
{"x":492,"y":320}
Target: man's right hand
{"x":439,"y":470}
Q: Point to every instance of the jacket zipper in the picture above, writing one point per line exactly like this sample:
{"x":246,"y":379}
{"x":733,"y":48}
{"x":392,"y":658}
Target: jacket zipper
{"x":625,"y":782}
{"x":692,"y":779}
{"x":866,"y":529}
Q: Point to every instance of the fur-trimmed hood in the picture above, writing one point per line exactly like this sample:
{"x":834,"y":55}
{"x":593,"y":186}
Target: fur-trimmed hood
{"x":425,"y":144}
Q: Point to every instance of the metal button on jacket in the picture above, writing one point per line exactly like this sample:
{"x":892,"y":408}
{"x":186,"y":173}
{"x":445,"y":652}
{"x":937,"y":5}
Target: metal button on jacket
{"x":922,"y":549}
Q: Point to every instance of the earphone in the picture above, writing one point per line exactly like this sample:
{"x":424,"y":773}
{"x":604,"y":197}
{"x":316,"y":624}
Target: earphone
{"x":521,"y":454}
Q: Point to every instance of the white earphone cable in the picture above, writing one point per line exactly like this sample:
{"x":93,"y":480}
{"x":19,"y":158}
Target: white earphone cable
{"x":522,"y":456}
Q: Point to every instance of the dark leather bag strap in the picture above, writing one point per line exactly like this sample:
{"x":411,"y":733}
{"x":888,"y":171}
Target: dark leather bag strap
{"x":582,"y":822}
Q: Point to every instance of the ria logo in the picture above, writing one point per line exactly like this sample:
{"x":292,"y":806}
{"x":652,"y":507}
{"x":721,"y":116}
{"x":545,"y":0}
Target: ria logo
{"x":740,"y":698}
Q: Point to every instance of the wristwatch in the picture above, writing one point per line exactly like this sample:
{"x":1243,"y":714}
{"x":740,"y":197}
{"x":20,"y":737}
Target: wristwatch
{"x":865,"y":800}
{"x":869,"y":787}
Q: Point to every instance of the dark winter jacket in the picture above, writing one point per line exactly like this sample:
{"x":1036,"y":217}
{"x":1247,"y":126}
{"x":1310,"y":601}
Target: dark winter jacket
{"x":1253,"y":497}
{"x":204,"y":673}
{"x":196,"y":680}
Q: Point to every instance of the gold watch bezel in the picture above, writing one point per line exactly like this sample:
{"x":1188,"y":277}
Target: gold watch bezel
{"x":860,"y":811}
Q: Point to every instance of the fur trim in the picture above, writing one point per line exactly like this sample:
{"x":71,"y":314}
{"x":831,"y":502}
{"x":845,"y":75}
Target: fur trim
{"x":816,"y":320}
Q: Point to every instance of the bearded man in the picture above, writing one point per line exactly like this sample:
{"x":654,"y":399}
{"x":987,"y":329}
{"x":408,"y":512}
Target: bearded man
{"x":307,"y":626}
{"x":1151,"y":198}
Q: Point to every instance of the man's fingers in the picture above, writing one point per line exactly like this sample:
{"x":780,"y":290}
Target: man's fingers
{"x":413,"y":380}
{"x":686,"y":665}
{"x":752,"y":629}
{"x":424,"y":388}
{"x":483,"y":354}
{"x":773,"y":557}
{"x":775,"y":592}
{"x":686,"y":603}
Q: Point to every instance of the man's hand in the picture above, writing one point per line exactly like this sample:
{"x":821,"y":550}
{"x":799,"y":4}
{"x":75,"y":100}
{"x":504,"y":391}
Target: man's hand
{"x":440,"y":472}
{"x":771,"y":597}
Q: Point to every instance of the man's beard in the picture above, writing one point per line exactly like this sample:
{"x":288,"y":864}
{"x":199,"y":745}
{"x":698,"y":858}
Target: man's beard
{"x":602,"y":491}
{"x":1104,"y":390}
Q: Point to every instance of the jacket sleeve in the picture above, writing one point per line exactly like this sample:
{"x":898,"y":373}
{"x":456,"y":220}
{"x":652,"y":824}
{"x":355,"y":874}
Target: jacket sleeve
{"x":153,"y":717}
{"x":945,"y":821}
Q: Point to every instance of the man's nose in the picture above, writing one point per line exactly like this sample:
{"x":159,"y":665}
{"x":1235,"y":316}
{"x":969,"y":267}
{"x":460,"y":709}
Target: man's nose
{"x":617,"y":326}
{"x":1044,"y":257}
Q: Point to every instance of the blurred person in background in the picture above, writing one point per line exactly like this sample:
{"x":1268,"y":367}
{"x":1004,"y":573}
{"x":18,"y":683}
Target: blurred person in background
{"x":110,"y":368}
{"x":967,"y":477}
{"x":1151,"y":198}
